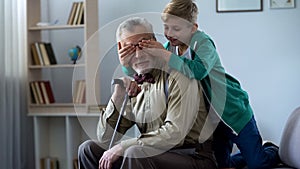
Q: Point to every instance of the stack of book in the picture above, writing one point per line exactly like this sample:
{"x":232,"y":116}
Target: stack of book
{"x":49,"y":163}
{"x":41,"y":92}
{"x":75,"y":163}
{"x":76,"y":16}
{"x":79,"y":92}
{"x":42,"y":54}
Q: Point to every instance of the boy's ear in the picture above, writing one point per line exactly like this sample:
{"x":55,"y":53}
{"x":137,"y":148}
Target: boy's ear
{"x":195,"y":27}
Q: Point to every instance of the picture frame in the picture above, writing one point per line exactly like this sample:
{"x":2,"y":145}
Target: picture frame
{"x":275,"y":4}
{"x":239,"y":5}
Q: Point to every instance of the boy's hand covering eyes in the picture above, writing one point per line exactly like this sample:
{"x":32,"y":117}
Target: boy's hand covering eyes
{"x":155,"y":48}
{"x":125,"y":54}
{"x":152,"y":47}
{"x":151,"y":44}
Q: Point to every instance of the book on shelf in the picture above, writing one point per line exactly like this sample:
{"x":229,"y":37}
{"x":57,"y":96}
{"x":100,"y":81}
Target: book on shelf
{"x":72,"y":13}
{"x":75,"y":91}
{"x":44,"y":92}
{"x":81,"y":13}
{"x":35,"y":98}
{"x":82,"y":92}
{"x":34,"y":54}
{"x":49,"y":91}
{"x":42,"y":54}
{"x":49,"y":163}
{"x":75,"y":163}
{"x":50,"y":53}
{"x":76,"y":15}
{"x":79,"y":92}
{"x":41,"y":92}
{"x":38,"y":49}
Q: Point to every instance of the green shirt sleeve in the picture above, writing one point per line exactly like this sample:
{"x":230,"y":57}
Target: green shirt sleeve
{"x":128,"y":71}
{"x":205,"y":58}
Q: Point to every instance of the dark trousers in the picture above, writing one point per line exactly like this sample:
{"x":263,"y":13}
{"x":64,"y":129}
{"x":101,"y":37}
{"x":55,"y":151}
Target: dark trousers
{"x":249,"y":142}
{"x":140,"y":157}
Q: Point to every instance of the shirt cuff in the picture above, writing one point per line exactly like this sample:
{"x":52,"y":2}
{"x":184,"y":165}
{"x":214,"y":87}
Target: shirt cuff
{"x":129,"y":142}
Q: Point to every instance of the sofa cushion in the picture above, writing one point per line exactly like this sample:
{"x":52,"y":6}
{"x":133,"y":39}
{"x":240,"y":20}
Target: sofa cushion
{"x":289,"y":149}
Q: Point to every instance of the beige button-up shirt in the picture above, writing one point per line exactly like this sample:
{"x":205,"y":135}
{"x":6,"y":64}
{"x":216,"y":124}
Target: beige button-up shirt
{"x":163,"y":122}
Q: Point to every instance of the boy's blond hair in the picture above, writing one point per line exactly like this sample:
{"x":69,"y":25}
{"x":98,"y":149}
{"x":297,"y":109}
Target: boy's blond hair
{"x":185,"y":9}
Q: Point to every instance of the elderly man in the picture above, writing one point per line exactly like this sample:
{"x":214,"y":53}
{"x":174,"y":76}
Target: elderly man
{"x":168,"y":111}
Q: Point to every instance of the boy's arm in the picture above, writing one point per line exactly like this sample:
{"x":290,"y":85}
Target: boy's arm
{"x":204,"y":60}
{"x":128,"y":71}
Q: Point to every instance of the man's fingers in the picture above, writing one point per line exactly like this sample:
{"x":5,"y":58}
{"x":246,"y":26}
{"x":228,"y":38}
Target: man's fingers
{"x":119,"y":46}
{"x":109,"y":165}
{"x":101,"y":164}
{"x":104,"y":163}
{"x":133,"y":89}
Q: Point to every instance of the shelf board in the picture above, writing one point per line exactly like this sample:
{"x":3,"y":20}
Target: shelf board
{"x":54,"y":27}
{"x":57,"y":109}
{"x":57,"y":105}
{"x":64,"y":109}
{"x":56,"y":66}
{"x":94,"y":114}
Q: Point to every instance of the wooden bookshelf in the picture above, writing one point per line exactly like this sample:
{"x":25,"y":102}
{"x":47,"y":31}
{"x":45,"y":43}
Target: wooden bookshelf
{"x":60,"y":127}
{"x":54,"y":27}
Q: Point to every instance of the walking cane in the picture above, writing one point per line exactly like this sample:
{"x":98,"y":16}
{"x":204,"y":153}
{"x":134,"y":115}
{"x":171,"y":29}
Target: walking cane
{"x":120,"y":82}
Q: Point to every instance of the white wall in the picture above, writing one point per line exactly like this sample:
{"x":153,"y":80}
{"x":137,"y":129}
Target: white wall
{"x":261,"y":49}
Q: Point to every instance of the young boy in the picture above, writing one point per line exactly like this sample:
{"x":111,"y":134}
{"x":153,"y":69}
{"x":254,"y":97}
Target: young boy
{"x":193,"y":53}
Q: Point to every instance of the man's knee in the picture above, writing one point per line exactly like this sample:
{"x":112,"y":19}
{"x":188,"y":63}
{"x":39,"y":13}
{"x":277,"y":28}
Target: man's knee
{"x":84,"y":146}
{"x":87,"y":148}
{"x":138,"y":151}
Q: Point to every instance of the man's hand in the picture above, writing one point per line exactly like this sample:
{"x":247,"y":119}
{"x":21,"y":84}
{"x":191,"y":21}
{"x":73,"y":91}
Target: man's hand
{"x":131,"y":87}
{"x":110,"y":156}
{"x":125,"y":54}
{"x":155,"y":49}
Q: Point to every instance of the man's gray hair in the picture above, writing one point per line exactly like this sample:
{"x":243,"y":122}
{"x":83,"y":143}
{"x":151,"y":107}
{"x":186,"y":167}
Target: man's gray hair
{"x":129,"y":24}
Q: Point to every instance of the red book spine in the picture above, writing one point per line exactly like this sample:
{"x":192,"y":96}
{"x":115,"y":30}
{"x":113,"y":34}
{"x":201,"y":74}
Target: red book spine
{"x":49,"y":91}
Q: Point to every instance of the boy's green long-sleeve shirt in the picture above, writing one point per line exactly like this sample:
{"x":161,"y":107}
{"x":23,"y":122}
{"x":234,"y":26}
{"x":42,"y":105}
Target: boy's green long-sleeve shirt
{"x":223,"y":91}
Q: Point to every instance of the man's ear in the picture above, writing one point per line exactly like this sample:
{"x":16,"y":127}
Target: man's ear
{"x":195,"y":27}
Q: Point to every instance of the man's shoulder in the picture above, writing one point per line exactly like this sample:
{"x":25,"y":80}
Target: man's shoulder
{"x":180,"y":78}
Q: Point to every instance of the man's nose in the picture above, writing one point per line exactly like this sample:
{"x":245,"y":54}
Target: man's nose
{"x":138,"y":52}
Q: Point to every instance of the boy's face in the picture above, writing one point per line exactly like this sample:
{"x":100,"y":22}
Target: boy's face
{"x":141,"y":61}
{"x":178,"y":31}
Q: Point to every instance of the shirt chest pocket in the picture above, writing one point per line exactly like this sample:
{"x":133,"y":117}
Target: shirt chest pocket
{"x":152,"y":108}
